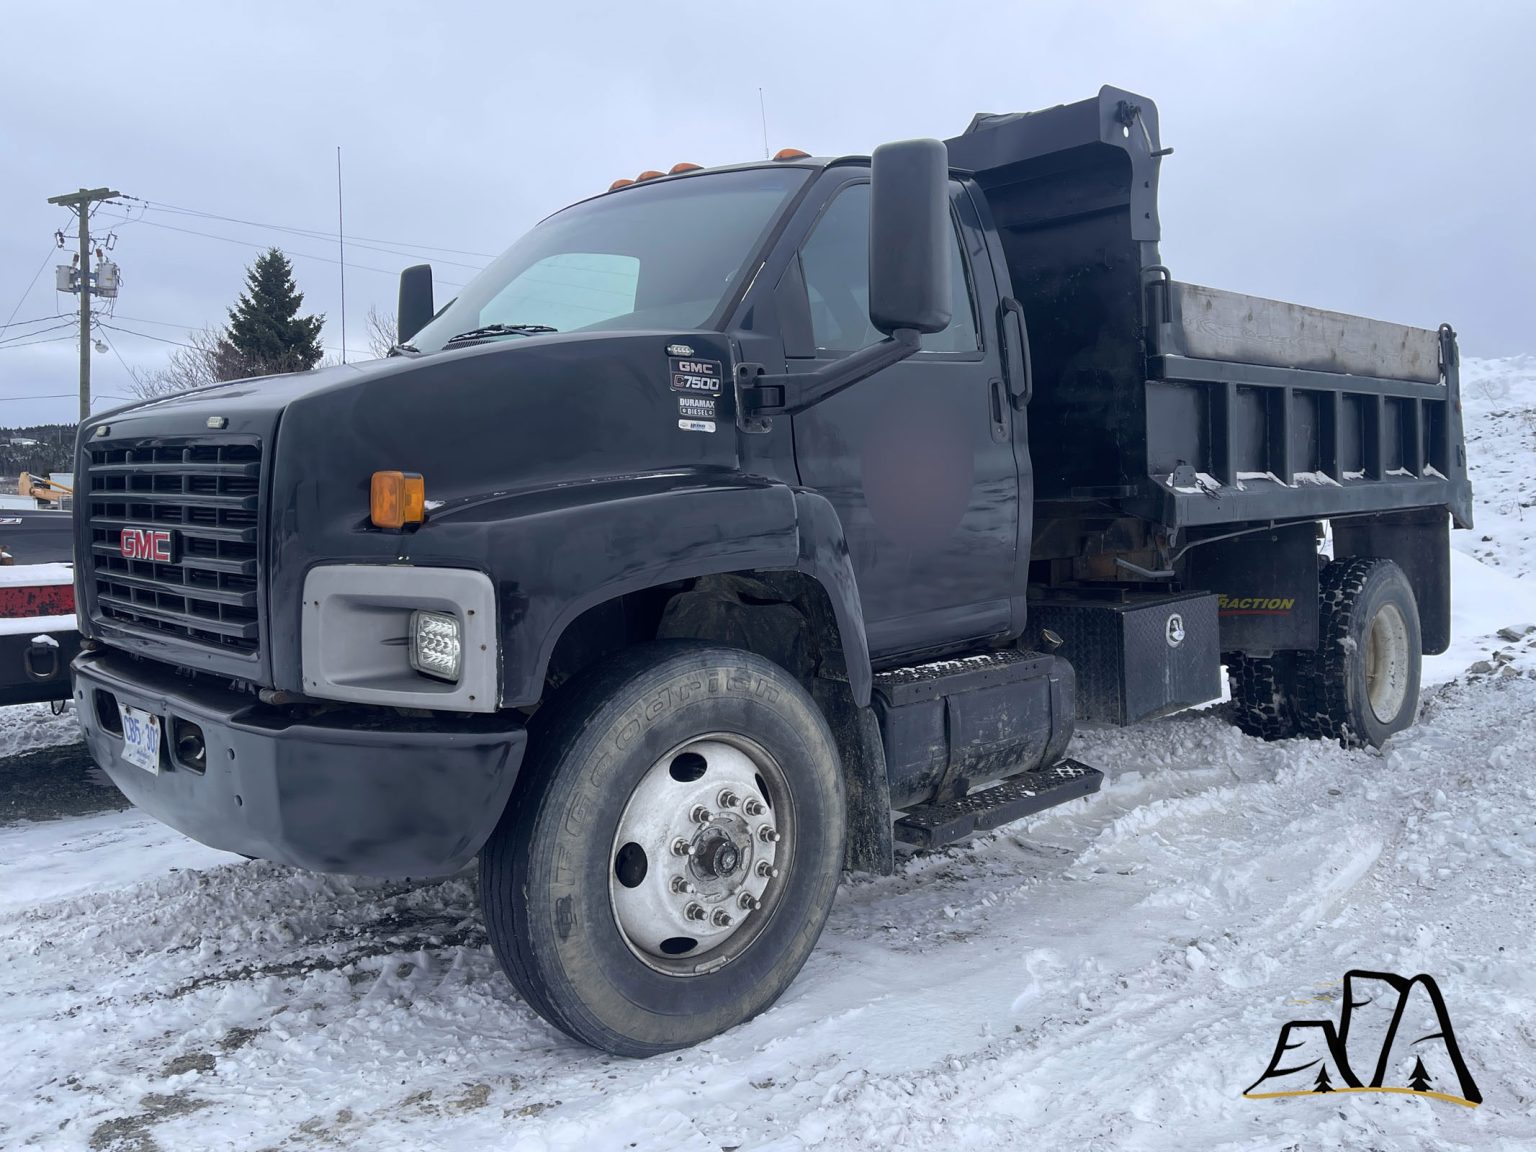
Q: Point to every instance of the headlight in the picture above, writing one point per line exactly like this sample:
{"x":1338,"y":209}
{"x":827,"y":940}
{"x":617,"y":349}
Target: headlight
{"x":437,"y":647}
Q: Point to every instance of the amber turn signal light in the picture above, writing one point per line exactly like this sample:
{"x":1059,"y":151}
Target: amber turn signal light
{"x":397,"y":499}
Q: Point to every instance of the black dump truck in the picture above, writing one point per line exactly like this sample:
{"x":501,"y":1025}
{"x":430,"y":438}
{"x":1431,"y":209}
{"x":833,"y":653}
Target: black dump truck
{"x":739,"y":523}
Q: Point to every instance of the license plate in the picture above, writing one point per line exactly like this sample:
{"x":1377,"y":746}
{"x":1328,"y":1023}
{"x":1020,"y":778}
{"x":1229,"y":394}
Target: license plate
{"x":141,"y":739}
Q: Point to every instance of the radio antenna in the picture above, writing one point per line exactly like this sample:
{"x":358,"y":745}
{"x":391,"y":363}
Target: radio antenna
{"x":341,"y":252}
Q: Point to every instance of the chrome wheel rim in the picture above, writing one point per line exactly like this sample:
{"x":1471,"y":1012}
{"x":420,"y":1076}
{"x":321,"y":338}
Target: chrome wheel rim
{"x":1387,"y":662}
{"x":695,"y":869}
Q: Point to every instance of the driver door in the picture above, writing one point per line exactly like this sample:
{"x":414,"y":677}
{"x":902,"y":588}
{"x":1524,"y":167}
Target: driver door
{"x":918,"y":459}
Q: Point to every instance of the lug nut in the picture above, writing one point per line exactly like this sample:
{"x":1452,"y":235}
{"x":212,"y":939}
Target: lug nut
{"x":721,"y":918}
{"x":701,"y":814}
{"x":753,"y":808}
{"x":694,"y":912}
{"x":681,"y":847}
{"x":747,"y":901}
{"x":768,"y":835}
{"x":680,"y":884}
{"x":766,"y":870}
{"x":729,"y":799}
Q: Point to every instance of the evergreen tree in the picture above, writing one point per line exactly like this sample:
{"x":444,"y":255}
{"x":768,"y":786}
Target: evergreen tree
{"x":1321,"y":1084}
{"x":266,"y":332}
{"x":1420,"y":1079}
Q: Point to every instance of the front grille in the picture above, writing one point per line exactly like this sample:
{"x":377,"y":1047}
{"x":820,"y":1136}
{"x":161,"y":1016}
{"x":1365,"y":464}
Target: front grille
{"x":208,"y":496}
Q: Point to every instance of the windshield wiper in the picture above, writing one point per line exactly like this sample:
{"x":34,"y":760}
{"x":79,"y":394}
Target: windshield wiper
{"x":499,"y":330}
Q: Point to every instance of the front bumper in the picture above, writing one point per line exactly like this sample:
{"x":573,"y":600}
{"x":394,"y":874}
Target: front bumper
{"x":354,"y":790}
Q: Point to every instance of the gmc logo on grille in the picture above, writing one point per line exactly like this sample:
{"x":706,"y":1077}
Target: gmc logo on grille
{"x":146,"y":544}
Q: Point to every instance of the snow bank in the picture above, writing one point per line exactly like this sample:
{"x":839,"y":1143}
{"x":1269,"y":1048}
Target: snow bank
{"x":28,"y":727}
{"x":12,"y":626}
{"x":29,"y":575}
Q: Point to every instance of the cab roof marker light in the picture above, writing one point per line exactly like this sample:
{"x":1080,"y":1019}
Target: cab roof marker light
{"x":684,"y":166}
{"x":621,"y":182}
{"x":649,"y":174}
{"x":790,"y":154}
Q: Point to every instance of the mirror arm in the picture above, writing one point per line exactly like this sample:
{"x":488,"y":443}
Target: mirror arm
{"x":786,"y":393}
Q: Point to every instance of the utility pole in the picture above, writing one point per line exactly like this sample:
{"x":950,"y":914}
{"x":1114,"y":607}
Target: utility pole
{"x":81,"y":202}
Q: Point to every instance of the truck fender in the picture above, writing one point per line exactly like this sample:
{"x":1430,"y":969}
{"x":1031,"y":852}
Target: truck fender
{"x":824,"y":556}
{"x":640,"y":532}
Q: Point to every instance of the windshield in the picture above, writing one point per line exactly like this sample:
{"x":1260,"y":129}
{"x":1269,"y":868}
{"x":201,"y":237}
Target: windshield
{"x":663,"y":256}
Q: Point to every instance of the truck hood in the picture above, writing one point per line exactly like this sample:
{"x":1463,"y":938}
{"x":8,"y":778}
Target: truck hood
{"x":499,"y":431}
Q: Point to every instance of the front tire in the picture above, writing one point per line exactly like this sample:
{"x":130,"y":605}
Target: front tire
{"x":672,"y":850}
{"x":1362,"y":684}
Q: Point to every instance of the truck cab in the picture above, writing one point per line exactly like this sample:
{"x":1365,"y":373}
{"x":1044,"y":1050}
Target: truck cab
{"x":738,"y":524}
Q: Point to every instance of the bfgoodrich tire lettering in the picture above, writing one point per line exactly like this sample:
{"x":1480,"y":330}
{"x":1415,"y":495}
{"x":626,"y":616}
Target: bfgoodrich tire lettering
{"x":547,"y":870}
{"x":1362,"y":683}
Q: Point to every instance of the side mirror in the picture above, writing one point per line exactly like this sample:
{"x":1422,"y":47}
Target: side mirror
{"x":415,"y":306}
{"x":910,"y":237}
{"x":910,"y":241}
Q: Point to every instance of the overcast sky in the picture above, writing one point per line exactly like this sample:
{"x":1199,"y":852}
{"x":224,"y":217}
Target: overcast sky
{"x":1368,"y":157}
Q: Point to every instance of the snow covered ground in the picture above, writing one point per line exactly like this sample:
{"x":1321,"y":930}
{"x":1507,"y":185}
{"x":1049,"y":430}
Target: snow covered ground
{"x":1110,"y":974}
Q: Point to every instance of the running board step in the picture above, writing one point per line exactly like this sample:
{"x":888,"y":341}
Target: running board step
{"x":934,"y":825}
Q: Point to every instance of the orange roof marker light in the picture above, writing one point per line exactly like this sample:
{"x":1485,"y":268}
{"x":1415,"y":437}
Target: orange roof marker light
{"x":684,"y":166}
{"x":790,"y":154}
{"x":649,"y":174}
{"x":622,"y":182}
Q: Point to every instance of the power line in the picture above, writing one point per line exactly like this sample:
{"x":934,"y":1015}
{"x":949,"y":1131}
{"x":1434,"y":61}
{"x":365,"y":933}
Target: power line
{"x":132,"y":375}
{"x":45,"y":340}
{"x":67,"y":396}
{"x":8,"y":340}
{"x":160,"y":206}
{"x":357,"y":242}
{"x":147,"y":336}
{"x":290,"y":252}
{"x":30,"y":283}
{"x":193,"y":327}
{"x":35,"y":320}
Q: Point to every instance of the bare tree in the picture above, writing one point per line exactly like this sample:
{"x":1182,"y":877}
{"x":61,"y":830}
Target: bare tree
{"x":208,"y":358}
{"x":382,"y":329}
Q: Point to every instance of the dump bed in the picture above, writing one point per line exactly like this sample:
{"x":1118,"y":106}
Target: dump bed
{"x":1183,"y":404}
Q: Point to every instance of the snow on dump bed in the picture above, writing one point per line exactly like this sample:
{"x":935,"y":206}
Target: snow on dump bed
{"x":1108,"y":974}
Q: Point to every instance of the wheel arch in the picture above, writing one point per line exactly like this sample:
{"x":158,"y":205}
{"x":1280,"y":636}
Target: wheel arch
{"x":791,"y":541}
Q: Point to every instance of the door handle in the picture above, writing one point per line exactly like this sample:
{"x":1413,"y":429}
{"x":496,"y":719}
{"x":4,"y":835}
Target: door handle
{"x":1021,"y":390}
{"x":997,"y":399}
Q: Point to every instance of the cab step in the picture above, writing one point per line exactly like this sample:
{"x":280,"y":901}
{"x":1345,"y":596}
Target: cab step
{"x":935,"y":825}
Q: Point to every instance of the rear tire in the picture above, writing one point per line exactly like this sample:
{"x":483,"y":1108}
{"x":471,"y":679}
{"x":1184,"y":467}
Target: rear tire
{"x":1362,"y":684}
{"x":611,"y":931}
{"x":1264,"y":695}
